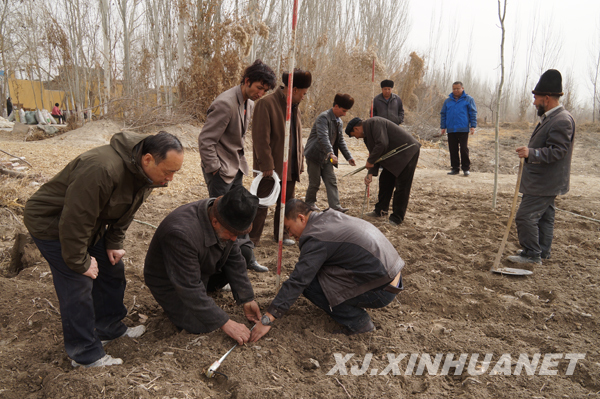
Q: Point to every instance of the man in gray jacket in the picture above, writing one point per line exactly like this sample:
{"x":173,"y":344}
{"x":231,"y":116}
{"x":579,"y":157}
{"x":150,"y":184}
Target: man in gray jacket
{"x":546,"y":172}
{"x":221,"y":141}
{"x":346,"y":264}
{"x":321,"y":152}
{"x":194,"y":251}
{"x":388,"y":105}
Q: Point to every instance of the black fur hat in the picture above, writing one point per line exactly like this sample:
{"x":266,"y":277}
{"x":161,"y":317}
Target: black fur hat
{"x":550,"y":84}
{"x":387,"y":83}
{"x":351,"y":124}
{"x":302,"y":79}
{"x":236,"y":210}
{"x":343,"y":101}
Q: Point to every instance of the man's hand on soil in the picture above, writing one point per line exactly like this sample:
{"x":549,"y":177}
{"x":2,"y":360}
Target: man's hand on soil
{"x":252,"y":311}
{"x":237,"y":331}
{"x":258,"y":332}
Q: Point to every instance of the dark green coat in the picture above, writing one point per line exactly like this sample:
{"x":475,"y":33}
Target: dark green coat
{"x":96,"y":194}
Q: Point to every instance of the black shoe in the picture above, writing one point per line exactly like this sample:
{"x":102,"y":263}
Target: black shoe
{"x":364,"y":329}
{"x":454,"y":172}
{"x":467,"y":173}
{"x":521,"y":258}
{"x":374,"y":214}
{"x":315,"y":208}
{"x":254,"y":265}
{"x":340,"y":209}
{"x":543,"y":256}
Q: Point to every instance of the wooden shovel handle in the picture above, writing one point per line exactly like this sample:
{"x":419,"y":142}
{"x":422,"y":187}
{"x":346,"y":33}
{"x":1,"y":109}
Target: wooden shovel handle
{"x":511,"y":217}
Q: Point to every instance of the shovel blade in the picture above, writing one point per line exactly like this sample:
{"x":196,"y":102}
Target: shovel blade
{"x":512,"y":271}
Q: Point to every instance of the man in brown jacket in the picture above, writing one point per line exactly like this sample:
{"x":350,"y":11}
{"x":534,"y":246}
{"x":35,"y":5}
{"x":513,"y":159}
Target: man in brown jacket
{"x":268,"y":139}
{"x":382,"y":136}
{"x":221,"y":141}
{"x":78,"y":221}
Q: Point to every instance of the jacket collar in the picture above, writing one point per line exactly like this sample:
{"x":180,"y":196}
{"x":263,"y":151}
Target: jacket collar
{"x":210,"y":238}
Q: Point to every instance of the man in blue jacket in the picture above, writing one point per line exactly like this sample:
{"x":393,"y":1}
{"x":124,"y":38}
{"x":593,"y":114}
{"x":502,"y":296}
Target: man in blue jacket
{"x":458,"y":118}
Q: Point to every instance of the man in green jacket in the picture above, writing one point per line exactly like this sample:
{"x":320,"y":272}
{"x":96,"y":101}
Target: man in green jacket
{"x":78,"y":221}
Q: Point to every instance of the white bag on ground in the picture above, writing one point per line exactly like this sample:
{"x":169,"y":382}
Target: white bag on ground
{"x":40,"y":117}
{"x":22,"y":116}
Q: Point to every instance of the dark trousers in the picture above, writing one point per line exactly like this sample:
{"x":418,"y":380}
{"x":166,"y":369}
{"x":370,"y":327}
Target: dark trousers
{"x":535,"y":224}
{"x":349,"y":313}
{"x":217,"y":187}
{"x":398,"y":186}
{"x":264,"y":189}
{"x":456,"y":140}
{"x":90,"y":310}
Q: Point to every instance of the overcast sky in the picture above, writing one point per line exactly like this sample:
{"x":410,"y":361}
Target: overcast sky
{"x":576,"y":21}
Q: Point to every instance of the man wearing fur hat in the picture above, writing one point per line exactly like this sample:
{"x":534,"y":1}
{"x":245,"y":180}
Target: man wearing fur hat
{"x":388,"y":105}
{"x":195,"y":251}
{"x":382,"y":136}
{"x":268,"y":139}
{"x":546,"y":172}
{"x":321,"y":152}
{"x":221,"y":141}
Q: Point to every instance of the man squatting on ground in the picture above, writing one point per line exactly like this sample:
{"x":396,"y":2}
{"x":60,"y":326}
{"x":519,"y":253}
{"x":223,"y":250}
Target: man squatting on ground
{"x":346,"y":264}
{"x":325,"y":140}
{"x":268,"y":139}
{"x":195,"y":251}
{"x":458,"y":118}
{"x":221,"y":141}
{"x":382,"y":136}
{"x":546,"y":172}
{"x":388,"y":105}
{"x":78,"y":221}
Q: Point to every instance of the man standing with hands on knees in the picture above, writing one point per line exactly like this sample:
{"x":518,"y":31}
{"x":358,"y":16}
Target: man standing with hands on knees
{"x":78,"y":221}
{"x":546,"y":171}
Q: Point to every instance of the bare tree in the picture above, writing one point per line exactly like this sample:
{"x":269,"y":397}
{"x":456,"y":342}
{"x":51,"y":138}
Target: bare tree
{"x":501,"y":17}
{"x":594,"y":71}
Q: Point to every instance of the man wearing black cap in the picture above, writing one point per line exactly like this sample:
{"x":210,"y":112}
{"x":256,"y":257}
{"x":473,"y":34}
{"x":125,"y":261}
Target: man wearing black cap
{"x":221,"y":141}
{"x":194,"y":251}
{"x":458,"y":119}
{"x":325,"y":140}
{"x":388,"y":105}
{"x":382,"y":136}
{"x":268,"y":139}
{"x":546,"y":172}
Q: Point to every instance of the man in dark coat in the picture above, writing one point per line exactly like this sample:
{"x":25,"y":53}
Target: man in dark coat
{"x":382,"y":136}
{"x":325,"y":140}
{"x":9,"y":107}
{"x":546,"y":172}
{"x":194,"y":251}
{"x":345,"y":265}
{"x":268,"y":139}
{"x":78,"y":221}
{"x":388,"y":105}
{"x":221,"y":141}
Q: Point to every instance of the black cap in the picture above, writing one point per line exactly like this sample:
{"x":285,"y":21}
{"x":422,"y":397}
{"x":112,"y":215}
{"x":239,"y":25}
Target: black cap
{"x":236,"y":210}
{"x":387,"y":83}
{"x":351,"y":124}
{"x":343,"y":100}
{"x":550,"y":84}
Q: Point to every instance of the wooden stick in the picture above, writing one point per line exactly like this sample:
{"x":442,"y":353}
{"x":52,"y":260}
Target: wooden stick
{"x":19,"y":158}
{"x":510,"y":218}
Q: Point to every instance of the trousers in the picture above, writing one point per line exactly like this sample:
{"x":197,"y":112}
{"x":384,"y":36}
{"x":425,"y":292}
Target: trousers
{"x":90,"y":310}
{"x":456,"y":140}
{"x":264,"y":189}
{"x":535,"y":224}
{"x":316,"y":171}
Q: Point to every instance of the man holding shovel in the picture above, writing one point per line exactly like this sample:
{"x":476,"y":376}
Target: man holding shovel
{"x":382,"y":136}
{"x":546,"y":172}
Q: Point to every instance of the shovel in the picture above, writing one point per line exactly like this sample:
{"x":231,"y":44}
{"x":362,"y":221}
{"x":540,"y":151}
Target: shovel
{"x":509,"y":270}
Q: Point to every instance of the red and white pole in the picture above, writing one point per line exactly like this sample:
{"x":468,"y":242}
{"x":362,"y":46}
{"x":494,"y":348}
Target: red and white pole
{"x":286,"y":148}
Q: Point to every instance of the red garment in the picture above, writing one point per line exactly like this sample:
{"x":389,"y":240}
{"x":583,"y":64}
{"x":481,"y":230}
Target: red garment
{"x":56,"y":111}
